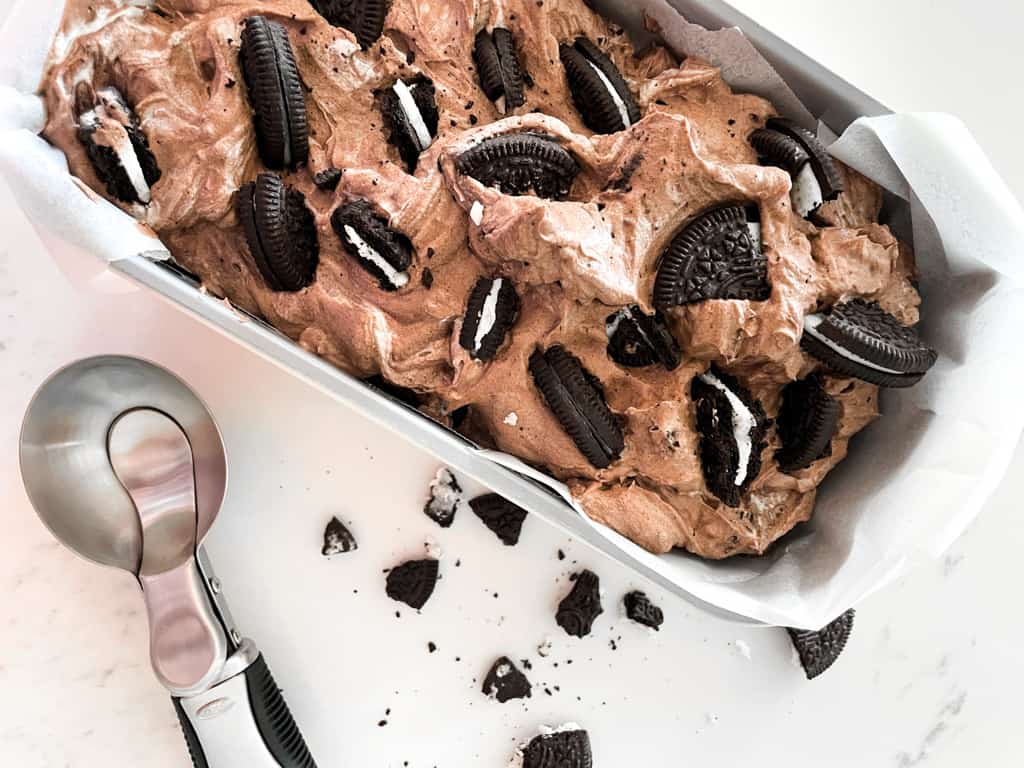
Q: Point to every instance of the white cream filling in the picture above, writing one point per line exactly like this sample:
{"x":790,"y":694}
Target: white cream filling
{"x":512,"y":418}
{"x":412,"y":112}
{"x":806,"y":193}
{"x":619,"y":103}
{"x":367,"y":252}
{"x":126,"y":157}
{"x":743,"y":423}
{"x":488,"y":315}
{"x":476,"y":212}
{"x":754,"y":227}
{"x":811,"y":323}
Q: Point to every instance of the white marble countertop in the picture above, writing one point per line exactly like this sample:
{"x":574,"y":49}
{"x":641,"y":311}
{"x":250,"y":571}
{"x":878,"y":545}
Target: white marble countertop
{"x":931,"y":677}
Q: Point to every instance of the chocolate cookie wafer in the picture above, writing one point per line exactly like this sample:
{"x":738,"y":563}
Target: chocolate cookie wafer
{"x":598,"y":88}
{"x":521,"y":164}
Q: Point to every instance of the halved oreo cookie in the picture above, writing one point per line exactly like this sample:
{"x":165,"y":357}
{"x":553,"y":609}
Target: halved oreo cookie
{"x":491,"y":312}
{"x":577,"y":400}
{"x":790,"y":146}
{"x":567,"y":747}
{"x":382,"y":251}
{"x":504,"y":518}
{"x":598,"y":88}
{"x":858,"y":338}
{"x":732,"y":427}
{"x":819,"y":650}
{"x":578,"y":610}
{"x":117,"y":148}
{"x":501,"y":74}
{"x":413,"y":582}
{"x":363,"y":18}
{"x":640,"y":609}
{"x":505,"y":682}
{"x":807,"y":421}
{"x":521,"y":164}
{"x":636,"y":339}
{"x":716,"y":256}
{"x":280,"y":231}
{"x":410,"y":113}
{"x":275,"y":92}
{"x":338,"y":539}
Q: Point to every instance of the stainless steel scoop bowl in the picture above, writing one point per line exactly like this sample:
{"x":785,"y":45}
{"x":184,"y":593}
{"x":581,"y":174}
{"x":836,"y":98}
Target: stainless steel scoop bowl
{"x":125,"y":465}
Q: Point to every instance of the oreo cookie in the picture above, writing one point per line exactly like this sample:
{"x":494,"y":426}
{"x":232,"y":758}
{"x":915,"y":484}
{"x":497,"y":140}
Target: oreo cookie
{"x":732,"y":427}
{"x":505,"y":682}
{"x":819,"y":650}
{"x":806,"y":423}
{"x":598,"y":88}
{"x":636,"y":339}
{"x":280,"y":231}
{"x":504,"y":518}
{"x":410,"y":113}
{"x":382,"y":251}
{"x":116,"y":145}
{"x":577,"y":400}
{"x":716,"y":256}
{"x":491,"y":312}
{"x":640,"y":609}
{"x":275,"y":92}
{"x":521,"y":164}
{"x":445,"y":496}
{"x":787,"y":145}
{"x":501,"y":74}
{"x":578,"y":610}
{"x":413,"y":582}
{"x":338,"y":539}
{"x":860,"y":339}
{"x":567,"y":747}
{"x":363,"y":18}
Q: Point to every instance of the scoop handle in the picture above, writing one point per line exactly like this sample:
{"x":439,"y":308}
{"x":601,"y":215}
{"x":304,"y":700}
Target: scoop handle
{"x":244,"y":722}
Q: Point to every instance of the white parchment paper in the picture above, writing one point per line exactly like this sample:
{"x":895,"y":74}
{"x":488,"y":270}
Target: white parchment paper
{"x":913,"y":480}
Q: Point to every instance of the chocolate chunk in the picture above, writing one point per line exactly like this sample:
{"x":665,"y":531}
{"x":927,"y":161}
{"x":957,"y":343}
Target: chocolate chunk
{"x":716,"y":256}
{"x":499,"y":514}
{"x":505,"y":682}
{"x":521,"y":164}
{"x":280,"y":232}
{"x":559,"y":749}
{"x":338,"y":539}
{"x":491,"y":312}
{"x":413,"y":582}
{"x":819,"y":650}
{"x":327,"y":179}
{"x":275,"y":92}
{"x":636,"y":339}
{"x":598,"y":88}
{"x":124,"y":164}
{"x":501,"y":74}
{"x":640,"y":609}
{"x":445,"y":495}
{"x":578,"y":609}
{"x":382,"y":251}
{"x":860,"y":339}
{"x":410,"y":113}
{"x":427,"y":278}
{"x":577,"y":400}
{"x":806,"y":423}
{"x":363,"y":18}
{"x":825,"y":170}
{"x":732,"y":427}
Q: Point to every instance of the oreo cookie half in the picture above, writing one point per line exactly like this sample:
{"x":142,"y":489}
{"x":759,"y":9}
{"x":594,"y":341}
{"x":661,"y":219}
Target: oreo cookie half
{"x":577,"y":400}
{"x":338,"y":539}
{"x":280,"y":231}
{"x":505,"y":682}
{"x":504,"y":518}
{"x":501,"y":74}
{"x":636,"y":339}
{"x":491,"y":312}
{"x":732,"y":427}
{"x":598,"y":88}
{"x":640,"y":609}
{"x":860,"y":339}
{"x":363,"y":18}
{"x":790,"y":146}
{"x":565,"y":747}
{"x":819,"y":650}
{"x":716,"y":256}
{"x":413,"y":582}
{"x":117,"y":148}
{"x":578,"y":610}
{"x":382,"y":251}
{"x":275,"y":92}
{"x":806,"y":423}
{"x":521,"y":164}
{"x":411,"y":116}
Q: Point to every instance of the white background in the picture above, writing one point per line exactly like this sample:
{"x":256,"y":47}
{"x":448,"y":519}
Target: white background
{"x":931,"y":677}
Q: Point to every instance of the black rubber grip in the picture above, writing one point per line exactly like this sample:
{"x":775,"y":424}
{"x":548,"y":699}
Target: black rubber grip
{"x":195,"y":749}
{"x":274,"y":720}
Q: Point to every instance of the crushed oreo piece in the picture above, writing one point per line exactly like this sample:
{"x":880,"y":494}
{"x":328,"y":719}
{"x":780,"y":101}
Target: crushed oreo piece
{"x":567,"y":747}
{"x":640,"y":609}
{"x":636,"y":339}
{"x":819,"y":650}
{"x":806,"y":423}
{"x":501,"y":74}
{"x":363,"y":18}
{"x":578,"y":610}
{"x":338,"y":539}
{"x":521,"y":164}
{"x":491,"y":311}
{"x":445,"y":495}
{"x":413,"y":582}
{"x":382,"y":251}
{"x":410,"y":112}
{"x":505,"y":682}
{"x":598,"y":88}
{"x":327,"y":179}
{"x":504,"y":518}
